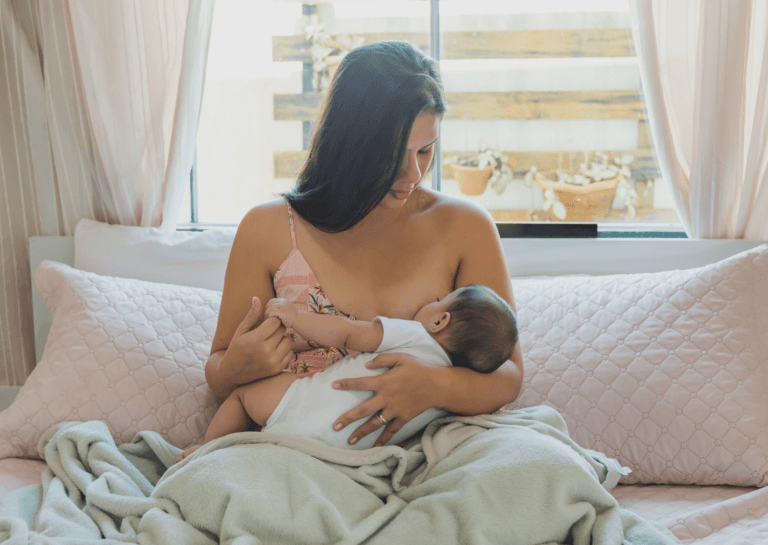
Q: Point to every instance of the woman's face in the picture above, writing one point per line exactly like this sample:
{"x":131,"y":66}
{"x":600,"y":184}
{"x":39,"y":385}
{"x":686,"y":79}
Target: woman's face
{"x":421,"y":149}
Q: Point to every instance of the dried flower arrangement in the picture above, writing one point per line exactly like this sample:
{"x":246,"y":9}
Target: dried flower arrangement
{"x":611,"y":178}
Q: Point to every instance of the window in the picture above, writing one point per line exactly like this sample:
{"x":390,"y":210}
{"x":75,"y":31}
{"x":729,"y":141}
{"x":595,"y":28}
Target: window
{"x":546,"y":84}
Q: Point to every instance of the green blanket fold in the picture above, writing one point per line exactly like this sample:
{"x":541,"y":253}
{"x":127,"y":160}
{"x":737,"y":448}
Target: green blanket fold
{"x":510,"y":478}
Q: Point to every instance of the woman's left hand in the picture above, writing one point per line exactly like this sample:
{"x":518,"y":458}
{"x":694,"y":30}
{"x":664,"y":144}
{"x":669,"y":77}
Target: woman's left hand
{"x":402,"y":393}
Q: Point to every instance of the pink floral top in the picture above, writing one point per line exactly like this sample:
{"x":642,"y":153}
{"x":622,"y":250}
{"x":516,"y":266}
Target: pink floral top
{"x":295,"y":282}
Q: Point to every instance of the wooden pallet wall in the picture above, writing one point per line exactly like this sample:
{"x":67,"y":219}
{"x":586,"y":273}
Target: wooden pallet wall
{"x":525,"y":44}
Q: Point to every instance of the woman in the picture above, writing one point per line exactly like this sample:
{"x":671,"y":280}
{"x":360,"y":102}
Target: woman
{"x":359,"y":225}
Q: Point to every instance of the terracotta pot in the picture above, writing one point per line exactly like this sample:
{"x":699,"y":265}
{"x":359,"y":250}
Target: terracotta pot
{"x":586,"y":203}
{"x":471,"y":180}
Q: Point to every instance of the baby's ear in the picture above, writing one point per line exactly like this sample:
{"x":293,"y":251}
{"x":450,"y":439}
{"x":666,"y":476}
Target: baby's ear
{"x":441,"y":323}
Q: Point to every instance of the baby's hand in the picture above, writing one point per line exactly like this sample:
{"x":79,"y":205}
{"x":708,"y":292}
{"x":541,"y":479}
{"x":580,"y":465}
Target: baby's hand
{"x":283,"y":310}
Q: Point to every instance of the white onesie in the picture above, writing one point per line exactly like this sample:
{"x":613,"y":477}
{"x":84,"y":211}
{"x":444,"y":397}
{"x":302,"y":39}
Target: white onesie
{"x":311,"y":406}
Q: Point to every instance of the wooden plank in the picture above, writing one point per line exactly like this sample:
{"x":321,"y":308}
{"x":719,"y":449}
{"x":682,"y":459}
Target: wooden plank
{"x":644,"y":135}
{"x":288,"y":163}
{"x":512,"y":44}
{"x":500,"y":105}
{"x":534,"y":44}
{"x":546,"y":105}
{"x":299,"y":107}
{"x":297,"y":48}
{"x":550,"y":160}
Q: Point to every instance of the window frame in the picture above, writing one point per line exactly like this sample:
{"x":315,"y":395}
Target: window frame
{"x":506,"y":229}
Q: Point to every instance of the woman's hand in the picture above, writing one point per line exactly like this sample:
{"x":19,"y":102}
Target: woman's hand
{"x":401,"y":394}
{"x":260,"y":352}
{"x":283,"y":310}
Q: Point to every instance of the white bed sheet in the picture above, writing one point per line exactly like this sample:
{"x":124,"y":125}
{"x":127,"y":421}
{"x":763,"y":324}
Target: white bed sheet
{"x":704,"y":515}
{"x":18,"y":473}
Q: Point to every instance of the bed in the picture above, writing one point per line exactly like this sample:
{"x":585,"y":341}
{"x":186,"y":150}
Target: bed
{"x":720,"y":499}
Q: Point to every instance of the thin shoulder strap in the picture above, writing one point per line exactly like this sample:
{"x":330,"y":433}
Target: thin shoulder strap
{"x":290,"y":220}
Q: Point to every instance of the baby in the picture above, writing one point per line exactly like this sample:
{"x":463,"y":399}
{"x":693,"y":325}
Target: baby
{"x":470,"y":327}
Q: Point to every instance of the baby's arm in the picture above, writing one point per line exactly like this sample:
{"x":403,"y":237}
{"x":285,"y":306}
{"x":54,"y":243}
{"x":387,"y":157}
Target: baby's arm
{"x":328,"y":329}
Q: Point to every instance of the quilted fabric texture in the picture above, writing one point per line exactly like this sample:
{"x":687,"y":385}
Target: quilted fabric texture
{"x":664,"y":371}
{"x":127,"y":352}
{"x":702,"y":515}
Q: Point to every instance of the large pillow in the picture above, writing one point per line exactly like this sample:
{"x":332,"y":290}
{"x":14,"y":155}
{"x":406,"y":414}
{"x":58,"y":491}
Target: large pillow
{"x":127,"y":352}
{"x":664,"y":371}
{"x":183,"y":258}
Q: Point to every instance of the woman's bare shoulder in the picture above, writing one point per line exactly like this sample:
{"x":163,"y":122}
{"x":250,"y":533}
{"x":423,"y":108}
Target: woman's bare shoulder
{"x":453,"y":212}
{"x":263,"y":216}
{"x":264,"y":228}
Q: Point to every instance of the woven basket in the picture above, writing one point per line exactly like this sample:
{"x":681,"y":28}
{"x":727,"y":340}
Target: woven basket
{"x":585,"y":203}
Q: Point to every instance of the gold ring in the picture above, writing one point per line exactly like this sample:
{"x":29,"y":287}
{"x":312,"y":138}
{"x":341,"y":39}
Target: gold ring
{"x":381,"y":419}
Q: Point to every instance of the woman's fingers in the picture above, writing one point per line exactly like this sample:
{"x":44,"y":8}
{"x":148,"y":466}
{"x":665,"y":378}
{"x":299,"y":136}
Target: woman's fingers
{"x":272,"y":344}
{"x":373,"y":425}
{"x":284,"y":354}
{"x":283,"y":347}
{"x":392,"y":428}
{"x":250,"y":319}
{"x":370,"y":426}
{"x":388,"y":359}
{"x":287,"y":359}
{"x":269,"y":333}
{"x":366,"y":408}
{"x":361,"y":383}
{"x":401,"y":393}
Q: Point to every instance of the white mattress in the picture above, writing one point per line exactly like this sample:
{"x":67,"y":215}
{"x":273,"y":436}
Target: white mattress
{"x":704,"y":515}
{"x":18,"y":473}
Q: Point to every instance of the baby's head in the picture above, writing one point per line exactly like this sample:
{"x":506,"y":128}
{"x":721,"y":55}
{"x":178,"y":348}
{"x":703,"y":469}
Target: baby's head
{"x":475,"y":326}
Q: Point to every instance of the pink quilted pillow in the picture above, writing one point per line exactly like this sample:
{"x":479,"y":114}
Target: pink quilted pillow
{"x":128,"y":352}
{"x":664,"y":371}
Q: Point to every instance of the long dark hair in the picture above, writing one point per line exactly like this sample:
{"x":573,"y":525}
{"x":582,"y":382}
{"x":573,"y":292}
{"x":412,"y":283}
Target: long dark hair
{"x":361,"y":136}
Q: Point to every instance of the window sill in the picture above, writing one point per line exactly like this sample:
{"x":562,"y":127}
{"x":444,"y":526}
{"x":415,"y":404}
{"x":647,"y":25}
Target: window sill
{"x":540,"y":230}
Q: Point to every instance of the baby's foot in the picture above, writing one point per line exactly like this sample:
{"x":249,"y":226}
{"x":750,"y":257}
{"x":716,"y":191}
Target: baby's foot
{"x":186,"y":453}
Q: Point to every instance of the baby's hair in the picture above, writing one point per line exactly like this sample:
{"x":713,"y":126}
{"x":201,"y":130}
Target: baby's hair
{"x":482,"y":331}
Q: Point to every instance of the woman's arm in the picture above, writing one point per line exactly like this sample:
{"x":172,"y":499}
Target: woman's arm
{"x":409,"y":388}
{"x":481,"y":262}
{"x":246,"y":347}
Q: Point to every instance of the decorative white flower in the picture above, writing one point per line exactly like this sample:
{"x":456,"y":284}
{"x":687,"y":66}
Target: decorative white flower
{"x":625,"y":159}
{"x":529,"y":176}
{"x":551,"y":201}
{"x":627,"y":193}
{"x":325,"y":49}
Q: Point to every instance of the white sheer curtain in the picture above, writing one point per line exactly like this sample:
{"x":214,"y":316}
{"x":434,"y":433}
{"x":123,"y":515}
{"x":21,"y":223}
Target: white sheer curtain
{"x":99,"y":104}
{"x":704,"y":69}
{"x":139,"y":70}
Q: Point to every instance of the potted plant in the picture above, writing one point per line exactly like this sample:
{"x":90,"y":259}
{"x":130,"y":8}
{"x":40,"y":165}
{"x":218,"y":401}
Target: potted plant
{"x":489,"y":165}
{"x":587,"y":195}
{"x":327,"y":52}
